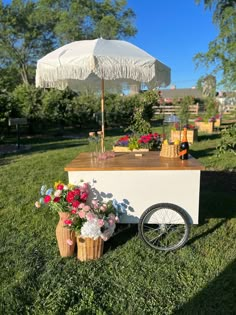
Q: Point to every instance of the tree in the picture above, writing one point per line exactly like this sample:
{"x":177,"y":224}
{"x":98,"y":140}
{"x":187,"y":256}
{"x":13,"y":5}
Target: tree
{"x":29,"y":29}
{"x":221,"y":52}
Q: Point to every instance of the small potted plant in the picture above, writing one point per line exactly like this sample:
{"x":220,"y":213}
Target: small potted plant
{"x":183,"y":116}
{"x":206,"y":123}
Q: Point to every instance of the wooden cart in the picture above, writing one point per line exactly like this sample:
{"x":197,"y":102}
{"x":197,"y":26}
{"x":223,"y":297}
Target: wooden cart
{"x":160,"y":194}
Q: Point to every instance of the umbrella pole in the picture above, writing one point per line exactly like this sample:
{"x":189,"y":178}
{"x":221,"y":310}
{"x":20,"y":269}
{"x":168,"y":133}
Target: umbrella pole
{"x":102,"y":111}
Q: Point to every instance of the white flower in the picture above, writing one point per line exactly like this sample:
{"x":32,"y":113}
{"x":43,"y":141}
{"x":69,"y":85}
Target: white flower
{"x":91,"y":229}
{"x":57,"y":193}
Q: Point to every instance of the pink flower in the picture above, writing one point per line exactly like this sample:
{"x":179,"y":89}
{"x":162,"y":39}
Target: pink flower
{"x":81,"y":214}
{"x":89,"y":216}
{"x":111,"y":221}
{"x":100,"y":222}
{"x":69,"y":242}
{"x":95,"y":204}
{"x":91,"y":134}
{"x":86,"y":208}
{"x":37,"y":204}
{"x":47,"y":199}
{"x":84,"y":187}
{"x":104,"y":237}
{"x":103,"y":208}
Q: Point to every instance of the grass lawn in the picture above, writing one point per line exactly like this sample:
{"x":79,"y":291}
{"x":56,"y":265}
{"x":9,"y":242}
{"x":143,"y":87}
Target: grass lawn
{"x":130,"y":278}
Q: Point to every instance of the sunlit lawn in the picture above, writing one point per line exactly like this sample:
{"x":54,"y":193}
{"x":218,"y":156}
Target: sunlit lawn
{"x":130,"y":278}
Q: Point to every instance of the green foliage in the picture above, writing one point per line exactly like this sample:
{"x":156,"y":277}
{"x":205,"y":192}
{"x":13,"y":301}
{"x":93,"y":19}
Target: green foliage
{"x":31,"y":29}
{"x":148,"y":99}
{"x":143,"y":112}
{"x":139,"y":125}
{"x":84,"y":109}
{"x":58,"y":105}
{"x":119,"y":109}
{"x":183,"y":112}
{"x":133,"y":143}
{"x":211,"y":108}
{"x":29,"y":101}
{"x":227,"y":141}
{"x":8,"y":109}
{"x":221,"y":51}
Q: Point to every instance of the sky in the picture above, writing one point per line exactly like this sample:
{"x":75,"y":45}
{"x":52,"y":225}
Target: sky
{"x":173,"y":31}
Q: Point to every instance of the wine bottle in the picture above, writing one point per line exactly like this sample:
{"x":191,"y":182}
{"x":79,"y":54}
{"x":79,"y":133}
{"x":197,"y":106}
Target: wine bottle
{"x":184,"y":146}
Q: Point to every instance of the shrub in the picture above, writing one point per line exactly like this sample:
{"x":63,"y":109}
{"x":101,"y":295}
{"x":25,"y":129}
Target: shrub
{"x":228,"y":141}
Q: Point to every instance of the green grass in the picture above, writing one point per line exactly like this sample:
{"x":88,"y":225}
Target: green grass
{"x":130,"y":278}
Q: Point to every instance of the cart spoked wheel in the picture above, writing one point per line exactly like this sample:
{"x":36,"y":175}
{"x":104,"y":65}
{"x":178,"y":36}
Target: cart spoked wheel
{"x":164,"y":226}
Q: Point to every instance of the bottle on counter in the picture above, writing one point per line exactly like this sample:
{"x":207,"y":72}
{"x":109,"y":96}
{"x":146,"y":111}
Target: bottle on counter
{"x":184,"y":146}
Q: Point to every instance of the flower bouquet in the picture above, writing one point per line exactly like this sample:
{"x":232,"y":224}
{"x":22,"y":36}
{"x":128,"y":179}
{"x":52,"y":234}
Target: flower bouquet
{"x":63,"y":199}
{"x":93,"y":224}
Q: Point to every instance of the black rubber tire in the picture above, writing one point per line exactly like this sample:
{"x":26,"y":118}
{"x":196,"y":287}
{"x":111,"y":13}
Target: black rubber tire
{"x":164,"y":234}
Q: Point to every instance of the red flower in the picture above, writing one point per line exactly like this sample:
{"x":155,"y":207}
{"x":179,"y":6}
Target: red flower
{"x":68,"y":222}
{"x":73,"y":211}
{"x":75,"y":203}
{"x":60,"y":187}
{"x":84,"y":196}
{"x":76,"y":192}
{"x":70,"y":196}
{"x":56,"y":199}
{"x":47,"y":199}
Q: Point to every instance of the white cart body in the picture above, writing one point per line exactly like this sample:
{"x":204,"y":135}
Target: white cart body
{"x":140,"y":182}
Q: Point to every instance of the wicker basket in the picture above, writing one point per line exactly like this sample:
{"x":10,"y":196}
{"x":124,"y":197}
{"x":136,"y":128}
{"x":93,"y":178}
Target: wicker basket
{"x":169,"y":150}
{"x":88,"y":248}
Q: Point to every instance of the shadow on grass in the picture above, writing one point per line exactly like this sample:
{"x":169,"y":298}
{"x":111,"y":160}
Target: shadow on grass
{"x":209,"y":231}
{"x":212,"y":136}
{"x":202,"y":153}
{"x":218,"y":297}
{"x":41,"y":146}
{"x":124,"y":233}
{"x":217,"y":195}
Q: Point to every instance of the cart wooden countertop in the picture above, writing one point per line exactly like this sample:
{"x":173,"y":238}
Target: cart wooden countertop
{"x":129,"y":162}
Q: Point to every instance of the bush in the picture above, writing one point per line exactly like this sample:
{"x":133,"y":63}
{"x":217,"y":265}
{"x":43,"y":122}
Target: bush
{"x":84,"y":109}
{"x":183,"y":112}
{"x":228,"y":141}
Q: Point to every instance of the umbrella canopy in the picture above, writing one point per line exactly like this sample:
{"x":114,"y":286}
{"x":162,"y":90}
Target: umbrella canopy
{"x":85,"y":65}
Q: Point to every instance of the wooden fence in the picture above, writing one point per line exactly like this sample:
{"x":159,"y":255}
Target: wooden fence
{"x":173,"y":109}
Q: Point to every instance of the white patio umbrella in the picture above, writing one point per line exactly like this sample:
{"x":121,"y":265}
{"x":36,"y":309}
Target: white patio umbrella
{"x":91,"y":64}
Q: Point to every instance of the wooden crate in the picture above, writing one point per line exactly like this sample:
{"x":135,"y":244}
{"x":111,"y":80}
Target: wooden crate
{"x":126,"y":149}
{"x":192,"y":135}
{"x":205,"y":126}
